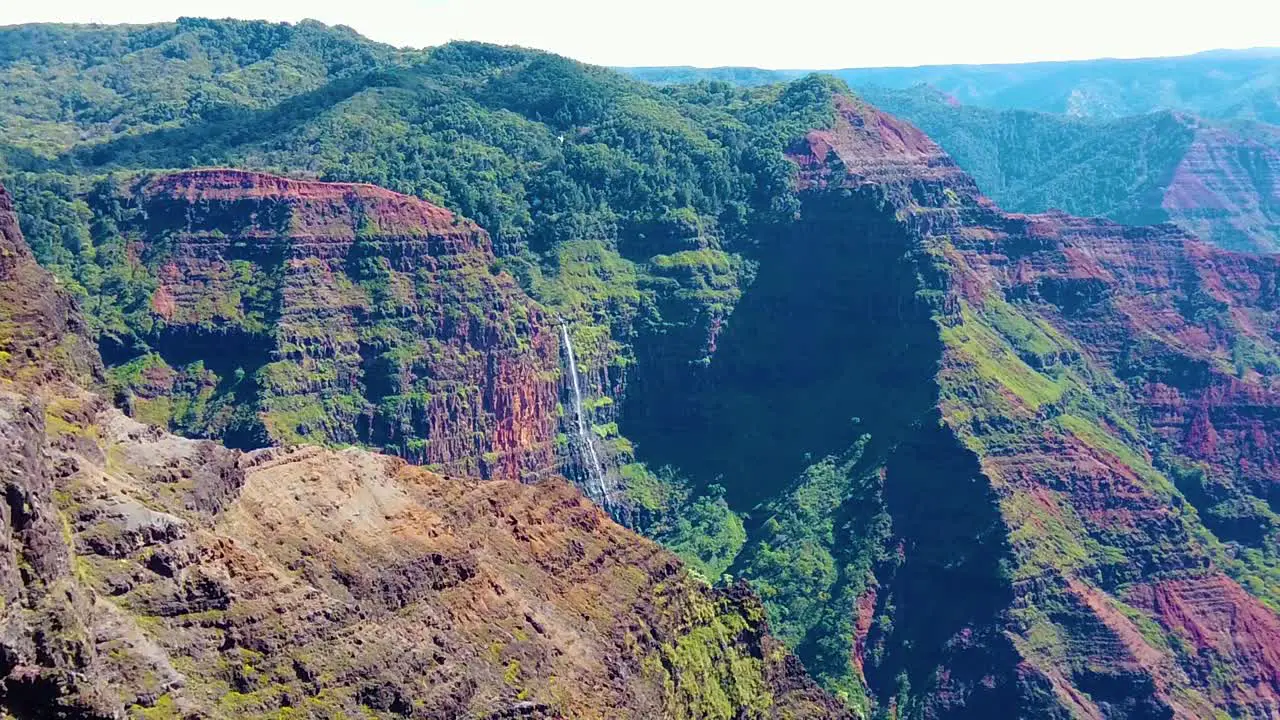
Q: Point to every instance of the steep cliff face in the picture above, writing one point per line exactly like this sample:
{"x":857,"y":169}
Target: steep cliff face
{"x":40,"y":335}
{"x":158,"y":576}
{"x":980,"y":451}
{"x":1226,"y":189}
{"x":285,"y":311}
{"x":45,"y":630}
{"x":976,"y":464}
{"x":1116,"y":387}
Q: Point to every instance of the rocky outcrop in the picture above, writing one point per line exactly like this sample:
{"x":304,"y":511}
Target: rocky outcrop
{"x":348,"y":582}
{"x":50,"y":624}
{"x":343,"y":314}
{"x":342,"y":582}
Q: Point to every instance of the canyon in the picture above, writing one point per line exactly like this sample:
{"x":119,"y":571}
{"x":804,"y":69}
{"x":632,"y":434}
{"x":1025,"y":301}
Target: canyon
{"x":170,"y":577}
{"x":962,"y":462}
{"x":1080,"y":364}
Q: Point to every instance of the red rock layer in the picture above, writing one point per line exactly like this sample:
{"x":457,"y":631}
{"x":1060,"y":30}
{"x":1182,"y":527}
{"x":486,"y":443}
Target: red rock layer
{"x":1167,"y":346}
{"x":1227,"y":189}
{"x":873,"y":147}
{"x":321,"y":213}
{"x":382,"y":318}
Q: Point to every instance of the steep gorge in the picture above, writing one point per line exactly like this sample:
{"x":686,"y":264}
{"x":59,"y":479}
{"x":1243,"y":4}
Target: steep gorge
{"x":1066,"y":419}
{"x":1005,"y":465}
{"x":159,"y":576}
{"x":1033,"y":313}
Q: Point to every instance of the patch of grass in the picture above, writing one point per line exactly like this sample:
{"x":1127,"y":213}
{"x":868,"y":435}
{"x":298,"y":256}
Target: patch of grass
{"x":1046,"y":538}
{"x":704,"y":672}
{"x":997,"y":364}
{"x":153,"y":411}
{"x":1096,"y":437}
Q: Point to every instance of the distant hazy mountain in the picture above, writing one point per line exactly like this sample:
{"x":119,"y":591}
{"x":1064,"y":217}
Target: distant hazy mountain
{"x":672,"y":75}
{"x":1219,"y":84}
{"x":1219,"y":180}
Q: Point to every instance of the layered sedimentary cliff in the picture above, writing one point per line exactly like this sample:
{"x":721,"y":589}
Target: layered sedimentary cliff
{"x":166,"y":577}
{"x":341,"y":314}
{"x":1226,"y":188}
{"x":1116,"y":387}
{"x":980,"y":464}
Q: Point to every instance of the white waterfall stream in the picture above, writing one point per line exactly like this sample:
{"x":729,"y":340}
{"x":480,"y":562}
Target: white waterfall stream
{"x":584,"y":432}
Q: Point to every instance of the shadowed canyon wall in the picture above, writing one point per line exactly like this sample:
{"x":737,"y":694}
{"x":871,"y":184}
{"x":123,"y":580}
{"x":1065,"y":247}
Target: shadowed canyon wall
{"x":974,"y":463}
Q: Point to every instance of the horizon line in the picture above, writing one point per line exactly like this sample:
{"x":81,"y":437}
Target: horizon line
{"x":685,"y":66}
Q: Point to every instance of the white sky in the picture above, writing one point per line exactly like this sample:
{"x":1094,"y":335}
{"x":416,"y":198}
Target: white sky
{"x":773,"y":34}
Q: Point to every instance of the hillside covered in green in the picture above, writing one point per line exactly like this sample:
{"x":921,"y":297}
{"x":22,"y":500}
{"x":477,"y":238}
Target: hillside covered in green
{"x":1216,"y":179}
{"x":1031,"y":161}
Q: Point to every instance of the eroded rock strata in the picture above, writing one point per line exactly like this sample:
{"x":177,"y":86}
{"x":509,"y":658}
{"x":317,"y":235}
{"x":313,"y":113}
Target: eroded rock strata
{"x":1116,"y":386}
{"x":1226,"y":187}
{"x":982,"y":464}
{"x":168,"y":577}
{"x":332,"y":313}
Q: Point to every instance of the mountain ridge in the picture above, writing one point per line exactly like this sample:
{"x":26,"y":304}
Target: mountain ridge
{"x":1212,"y":179}
{"x":1240,"y":84}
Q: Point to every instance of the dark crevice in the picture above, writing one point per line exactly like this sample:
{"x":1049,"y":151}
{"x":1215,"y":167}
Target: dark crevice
{"x":830,"y":332}
{"x":833,"y":330}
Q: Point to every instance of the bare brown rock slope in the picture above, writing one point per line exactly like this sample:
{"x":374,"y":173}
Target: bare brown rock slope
{"x":148,"y":574}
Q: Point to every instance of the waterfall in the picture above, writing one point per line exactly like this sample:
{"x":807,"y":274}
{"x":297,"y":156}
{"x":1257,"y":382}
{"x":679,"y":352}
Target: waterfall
{"x":584,"y":433}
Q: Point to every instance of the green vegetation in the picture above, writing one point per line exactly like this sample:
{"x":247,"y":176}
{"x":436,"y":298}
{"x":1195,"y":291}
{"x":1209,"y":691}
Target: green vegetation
{"x":705,"y":532}
{"x":618,"y":207}
{"x":998,"y":364}
{"x":814,"y":557}
{"x":67,"y":83}
{"x":1032,"y":162}
{"x":702,"y":671}
{"x":637,"y":217}
{"x":1098,"y":438}
{"x":1035,"y":140}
